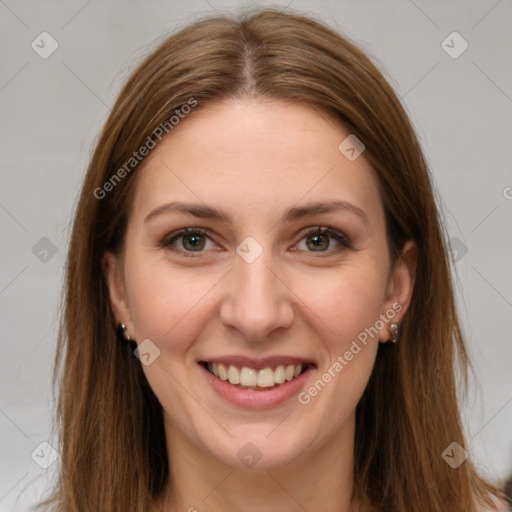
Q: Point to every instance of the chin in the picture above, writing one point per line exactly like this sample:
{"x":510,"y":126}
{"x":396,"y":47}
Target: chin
{"x":256,"y":448}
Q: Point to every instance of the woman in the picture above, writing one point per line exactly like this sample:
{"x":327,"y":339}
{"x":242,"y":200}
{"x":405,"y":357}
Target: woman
{"x":259,"y":312}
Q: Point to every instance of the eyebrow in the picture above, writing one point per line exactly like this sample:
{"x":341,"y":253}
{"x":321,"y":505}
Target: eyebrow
{"x":293,"y":213}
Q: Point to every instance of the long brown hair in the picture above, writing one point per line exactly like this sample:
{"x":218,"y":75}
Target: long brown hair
{"x":113,"y":453}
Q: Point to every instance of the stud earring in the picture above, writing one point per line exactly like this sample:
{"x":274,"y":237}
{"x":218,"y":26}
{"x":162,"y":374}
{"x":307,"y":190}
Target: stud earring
{"x":121,"y":330}
{"x":393,"y":329}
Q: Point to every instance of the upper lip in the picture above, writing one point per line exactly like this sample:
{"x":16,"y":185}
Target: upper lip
{"x":257,"y":364}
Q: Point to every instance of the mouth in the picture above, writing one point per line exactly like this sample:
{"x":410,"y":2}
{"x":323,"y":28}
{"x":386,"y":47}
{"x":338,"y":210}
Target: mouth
{"x":257,"y":377}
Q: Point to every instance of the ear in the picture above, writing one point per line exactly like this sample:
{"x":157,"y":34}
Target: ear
{"x":113,"y":272}
{"x":400,"y":288}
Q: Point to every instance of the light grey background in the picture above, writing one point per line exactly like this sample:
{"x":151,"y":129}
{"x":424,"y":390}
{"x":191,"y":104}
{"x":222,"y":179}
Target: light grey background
{"x":52,"y":110}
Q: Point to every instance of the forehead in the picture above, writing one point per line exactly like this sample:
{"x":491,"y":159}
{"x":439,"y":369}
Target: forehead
{"x":254,"y":156}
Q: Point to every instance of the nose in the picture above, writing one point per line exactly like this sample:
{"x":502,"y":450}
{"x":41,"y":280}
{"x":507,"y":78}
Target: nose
{"x":256,"y":301}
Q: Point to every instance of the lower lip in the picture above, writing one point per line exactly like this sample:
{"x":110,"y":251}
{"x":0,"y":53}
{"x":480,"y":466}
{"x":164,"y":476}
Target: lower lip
{"x":257,"y":399}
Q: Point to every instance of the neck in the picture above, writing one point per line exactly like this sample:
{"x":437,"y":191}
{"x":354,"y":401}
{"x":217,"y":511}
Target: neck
{"x":320,"y":479}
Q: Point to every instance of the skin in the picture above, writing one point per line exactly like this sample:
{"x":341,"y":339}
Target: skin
{"x":253,"y":160}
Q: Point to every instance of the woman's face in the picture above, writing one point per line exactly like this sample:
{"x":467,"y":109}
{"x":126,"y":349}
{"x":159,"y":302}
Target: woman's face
{"x":283,"y":273}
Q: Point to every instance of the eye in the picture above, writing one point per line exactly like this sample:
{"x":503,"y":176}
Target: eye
{"x":321,"y":239}
{"x":317,"y":239}
{"x":189,"y":240}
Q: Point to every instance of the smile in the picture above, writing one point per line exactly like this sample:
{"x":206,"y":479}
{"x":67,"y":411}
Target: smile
{"x":264,"y":379}
{"x":257,"y":383}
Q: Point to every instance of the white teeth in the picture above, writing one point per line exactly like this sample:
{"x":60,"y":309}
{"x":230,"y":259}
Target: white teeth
{"x":248,"y":377}
{"x":233,"y":375}
{"x":279,"y":376}
{"x":223,"y":374}
{"x":251,"y":378}
{"x":289,"y":371}
{"x":266,"y":378}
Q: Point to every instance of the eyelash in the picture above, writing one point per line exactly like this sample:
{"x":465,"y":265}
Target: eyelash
{"x":341,"y":238}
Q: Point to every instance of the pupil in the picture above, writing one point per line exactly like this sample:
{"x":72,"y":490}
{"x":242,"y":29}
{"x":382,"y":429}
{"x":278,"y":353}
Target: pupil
{"x":193,"y":242}
{"x":320,"y":242}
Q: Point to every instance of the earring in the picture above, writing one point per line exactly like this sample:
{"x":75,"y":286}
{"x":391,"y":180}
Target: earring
{"x":393,"y":329}
{"x":121,"y":330}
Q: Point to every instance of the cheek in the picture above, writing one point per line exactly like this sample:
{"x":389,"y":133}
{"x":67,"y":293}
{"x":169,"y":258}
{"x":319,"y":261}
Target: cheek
{"x":165,"y":304}
{"x":346,"y":301}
